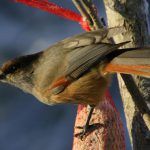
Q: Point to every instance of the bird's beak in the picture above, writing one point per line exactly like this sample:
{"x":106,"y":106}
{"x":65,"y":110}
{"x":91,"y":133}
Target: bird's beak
{"x":2,"y":75}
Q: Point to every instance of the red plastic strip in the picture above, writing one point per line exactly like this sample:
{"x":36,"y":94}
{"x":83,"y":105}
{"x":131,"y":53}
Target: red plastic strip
{"x":52,"y":8}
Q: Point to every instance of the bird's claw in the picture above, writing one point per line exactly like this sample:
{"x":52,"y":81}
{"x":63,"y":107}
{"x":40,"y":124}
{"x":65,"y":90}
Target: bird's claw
{"x":86,"y":130}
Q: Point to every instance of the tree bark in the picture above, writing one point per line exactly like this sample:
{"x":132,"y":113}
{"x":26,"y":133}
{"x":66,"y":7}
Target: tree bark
{"x":133,"y":15}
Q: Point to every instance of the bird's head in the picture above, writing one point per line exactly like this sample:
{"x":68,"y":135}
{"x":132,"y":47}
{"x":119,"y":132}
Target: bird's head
{"x":20,"y":71}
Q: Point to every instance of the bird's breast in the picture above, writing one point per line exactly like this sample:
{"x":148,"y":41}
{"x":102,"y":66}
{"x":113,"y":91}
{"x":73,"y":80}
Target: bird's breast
{"x":89,"y":89}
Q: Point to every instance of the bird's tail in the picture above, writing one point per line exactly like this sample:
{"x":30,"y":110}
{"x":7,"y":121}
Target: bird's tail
{"x":133,"y":61}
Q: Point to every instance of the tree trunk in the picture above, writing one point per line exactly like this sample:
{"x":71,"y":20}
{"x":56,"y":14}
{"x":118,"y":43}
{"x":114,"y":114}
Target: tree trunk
{"x":135,"y":91}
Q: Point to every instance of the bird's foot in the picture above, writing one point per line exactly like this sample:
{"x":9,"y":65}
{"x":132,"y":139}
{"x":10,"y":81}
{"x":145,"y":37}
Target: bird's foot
{"x":86,"y":130}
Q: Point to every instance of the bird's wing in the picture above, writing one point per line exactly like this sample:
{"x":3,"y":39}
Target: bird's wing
{"x":83,"y":51}
{"x":131,"y":61}
{"x":82,"y":59}
{"x":88,"y":48}
{"x":88,"y":38}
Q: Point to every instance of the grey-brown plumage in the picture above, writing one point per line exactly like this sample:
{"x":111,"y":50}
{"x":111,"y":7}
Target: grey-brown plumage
{"x":70,"y":71}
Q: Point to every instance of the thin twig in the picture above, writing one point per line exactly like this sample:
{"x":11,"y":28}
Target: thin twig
{"x":89,"y":7}
{"x":87,"y":11}
{"x":82,"y":11}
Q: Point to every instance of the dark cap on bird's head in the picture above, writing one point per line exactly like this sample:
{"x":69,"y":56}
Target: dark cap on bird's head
{"x":8,"y":68}
{"x":19,"y":70}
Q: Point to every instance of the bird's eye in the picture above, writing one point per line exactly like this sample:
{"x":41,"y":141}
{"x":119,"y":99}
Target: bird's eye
{"x":13,"y":67}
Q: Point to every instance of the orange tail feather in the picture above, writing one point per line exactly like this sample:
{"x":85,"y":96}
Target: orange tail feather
{"x":141,"y":70}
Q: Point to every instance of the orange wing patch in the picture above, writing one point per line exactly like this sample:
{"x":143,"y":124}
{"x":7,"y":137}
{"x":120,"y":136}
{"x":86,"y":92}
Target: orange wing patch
{"x":60,"y":81}
{"x":57,"y":86}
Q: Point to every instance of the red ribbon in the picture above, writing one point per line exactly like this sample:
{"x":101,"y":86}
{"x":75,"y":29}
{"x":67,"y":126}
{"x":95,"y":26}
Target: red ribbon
{"x":52,"y":8}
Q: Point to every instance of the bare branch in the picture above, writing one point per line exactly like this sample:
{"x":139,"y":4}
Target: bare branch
{"x":83,"y":12}
{"x":86,"y":9}
{"x":89,"y":7}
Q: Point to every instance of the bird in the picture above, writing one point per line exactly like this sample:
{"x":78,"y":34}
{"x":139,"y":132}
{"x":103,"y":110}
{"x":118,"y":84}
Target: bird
{"x":75,"y":70}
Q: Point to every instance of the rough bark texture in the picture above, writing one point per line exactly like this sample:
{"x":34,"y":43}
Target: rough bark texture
{"x":132,"y":15}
